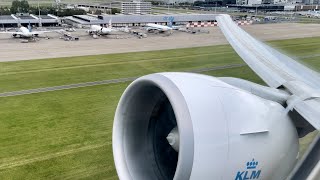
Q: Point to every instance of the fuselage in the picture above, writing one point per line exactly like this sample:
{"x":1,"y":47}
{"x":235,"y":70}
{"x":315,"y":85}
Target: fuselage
{"x":25,"y":32}
{"x":159,"y":27}
{"x":99,"y":30}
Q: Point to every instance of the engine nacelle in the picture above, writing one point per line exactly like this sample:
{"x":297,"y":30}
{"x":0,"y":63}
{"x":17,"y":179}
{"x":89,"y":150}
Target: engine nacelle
{"x":105,"y":31}
{"x":223,"y":132}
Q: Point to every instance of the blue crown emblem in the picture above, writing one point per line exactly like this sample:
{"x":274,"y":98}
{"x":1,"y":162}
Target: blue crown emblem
{"x":252,"y":164}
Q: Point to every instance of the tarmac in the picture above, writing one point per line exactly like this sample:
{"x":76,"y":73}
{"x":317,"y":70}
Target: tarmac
{"x":11,"y":49}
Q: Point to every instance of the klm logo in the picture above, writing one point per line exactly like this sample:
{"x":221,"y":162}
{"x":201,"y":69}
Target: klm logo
{"x":250,"y":173}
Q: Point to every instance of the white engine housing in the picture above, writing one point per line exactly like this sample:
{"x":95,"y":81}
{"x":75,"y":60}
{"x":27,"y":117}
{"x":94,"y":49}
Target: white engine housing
{"x":225,"y":132}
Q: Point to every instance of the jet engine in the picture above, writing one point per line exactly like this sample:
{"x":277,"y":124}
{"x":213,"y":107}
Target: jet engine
{"x":190,"y":126}
{"x":105,"y":30}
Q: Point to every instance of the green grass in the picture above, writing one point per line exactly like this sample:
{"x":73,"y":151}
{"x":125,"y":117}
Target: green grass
{"x":307,"y":20}
{"x":53,"y":72}
{"x":61,"y":71}
{"x":42,"y":128}
{"x":67,"y":134}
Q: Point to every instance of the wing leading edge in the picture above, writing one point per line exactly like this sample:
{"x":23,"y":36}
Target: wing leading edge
{"x":277,"y":70}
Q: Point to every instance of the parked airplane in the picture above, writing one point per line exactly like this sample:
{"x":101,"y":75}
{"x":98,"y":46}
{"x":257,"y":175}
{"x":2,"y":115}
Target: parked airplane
{"x":161,"y":28}
{"x":310,"y":13}
{"x":191,"y":126}
{"x":158,"y":27}
{"x":99,"y":30}
{"x":25,"y":32}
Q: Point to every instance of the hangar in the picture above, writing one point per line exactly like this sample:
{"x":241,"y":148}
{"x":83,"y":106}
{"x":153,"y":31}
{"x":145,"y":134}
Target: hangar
{"x":140,"y":20}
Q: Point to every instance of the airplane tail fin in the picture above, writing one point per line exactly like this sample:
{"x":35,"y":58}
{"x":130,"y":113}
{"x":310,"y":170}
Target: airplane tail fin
{"x":110,"y":23}
{"x":170,"y":23}
{"x":126,"y":29}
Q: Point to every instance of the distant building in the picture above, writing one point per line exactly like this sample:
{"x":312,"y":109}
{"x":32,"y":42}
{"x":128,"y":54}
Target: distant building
{"x":279,"y":1}
{"x":214,"y":3}
{"x":271,"y":2}
{"x":135,"y":7}
{"x":241,"y":2}
{"x":141,"y":20}
{"x":311,"y":2}
{"x":24,"y":19}
{"x":254,"y":2}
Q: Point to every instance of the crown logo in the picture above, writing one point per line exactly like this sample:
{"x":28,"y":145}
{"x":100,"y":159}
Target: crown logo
{"x":252,"y":164}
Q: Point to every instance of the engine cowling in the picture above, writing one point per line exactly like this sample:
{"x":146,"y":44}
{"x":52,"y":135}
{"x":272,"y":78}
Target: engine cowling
{"x":223,"y":132}
{"x":105,"y":30}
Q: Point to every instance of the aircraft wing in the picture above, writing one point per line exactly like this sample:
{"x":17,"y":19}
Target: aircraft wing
{"x":272,"y":66}
{"x":277,"y":70}
{"x":21,"y":33}
{"x":40,"y":32}
{"x":154,"y":28}
{"x":6,"y":32}
{"x":176,"y":27}
{"x":157,"y":27}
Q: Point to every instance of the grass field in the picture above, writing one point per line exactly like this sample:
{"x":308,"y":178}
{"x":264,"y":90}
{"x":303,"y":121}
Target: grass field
{"x":67,"y":134}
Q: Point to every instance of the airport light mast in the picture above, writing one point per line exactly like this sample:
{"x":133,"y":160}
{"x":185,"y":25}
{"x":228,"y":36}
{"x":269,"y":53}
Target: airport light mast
{"x":40,"y":23}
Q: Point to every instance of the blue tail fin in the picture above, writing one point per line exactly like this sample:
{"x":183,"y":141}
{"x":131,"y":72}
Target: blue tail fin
{"x":170,"y":21}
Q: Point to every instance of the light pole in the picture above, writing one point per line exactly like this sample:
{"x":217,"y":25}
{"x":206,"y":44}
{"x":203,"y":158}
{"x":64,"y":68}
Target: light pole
{"x":110,"y":8}
{"x":256,"y":10}
{"x":40,"y":24}
{"x":215,"y":8}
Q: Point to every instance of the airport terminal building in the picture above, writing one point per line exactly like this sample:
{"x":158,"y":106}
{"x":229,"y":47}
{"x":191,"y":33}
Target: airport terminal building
{"x":15,"y":20}
{"x":189,"y":20}
{"x":140,"y":20}
{"x":24,"y":19}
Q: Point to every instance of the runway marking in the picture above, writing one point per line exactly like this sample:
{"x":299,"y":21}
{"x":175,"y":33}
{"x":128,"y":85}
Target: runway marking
{"x":111,"y":63}
{"x":63,"y":87}
{"x":49,"y":156}
{"x":309,"y":56}
{"x":103,"y":82}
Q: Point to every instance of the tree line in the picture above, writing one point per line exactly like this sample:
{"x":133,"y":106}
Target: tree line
{"x":22,"y":6}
